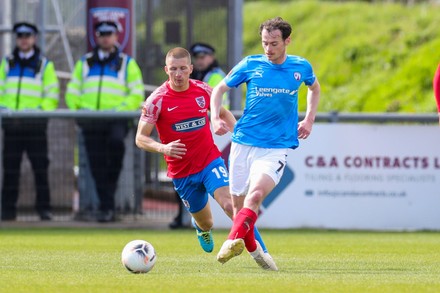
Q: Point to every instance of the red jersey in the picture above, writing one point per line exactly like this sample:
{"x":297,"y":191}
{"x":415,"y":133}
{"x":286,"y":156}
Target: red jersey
{"x":436,"y":84}
{"x":184,"y":116}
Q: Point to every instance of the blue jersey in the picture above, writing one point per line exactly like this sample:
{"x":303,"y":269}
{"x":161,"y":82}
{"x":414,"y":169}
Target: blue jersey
{"x":270,"y":116}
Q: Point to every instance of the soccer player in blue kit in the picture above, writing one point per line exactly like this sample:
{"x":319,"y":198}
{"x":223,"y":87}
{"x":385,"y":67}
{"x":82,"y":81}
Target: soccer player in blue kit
{"x":267,"y":129}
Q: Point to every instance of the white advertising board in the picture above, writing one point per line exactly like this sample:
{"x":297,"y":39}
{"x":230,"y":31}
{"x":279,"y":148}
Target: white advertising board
{"x":351,"y":176}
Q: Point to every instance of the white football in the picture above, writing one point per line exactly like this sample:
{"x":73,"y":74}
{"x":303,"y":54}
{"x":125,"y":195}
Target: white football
{"x":138,"y":256}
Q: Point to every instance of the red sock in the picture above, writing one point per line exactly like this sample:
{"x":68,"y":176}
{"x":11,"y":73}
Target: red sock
{"x":249,"y":240}
{"x":244,"y":222}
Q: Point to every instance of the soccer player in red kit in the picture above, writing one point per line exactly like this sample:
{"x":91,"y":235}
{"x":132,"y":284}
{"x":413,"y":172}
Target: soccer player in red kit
{"x":179,"y":110}
{"x":436,"y":84}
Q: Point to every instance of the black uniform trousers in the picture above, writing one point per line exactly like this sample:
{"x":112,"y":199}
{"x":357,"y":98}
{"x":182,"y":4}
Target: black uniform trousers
{"x":104,"y":141}
{"x":19,"y":136}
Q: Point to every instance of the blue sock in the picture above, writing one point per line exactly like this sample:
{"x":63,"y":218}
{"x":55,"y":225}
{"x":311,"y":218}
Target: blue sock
{"x":259,"y":239}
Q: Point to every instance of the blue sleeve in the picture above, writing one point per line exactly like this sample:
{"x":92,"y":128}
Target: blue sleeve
{"x":238,"y":74}
{"x":309,"y":75}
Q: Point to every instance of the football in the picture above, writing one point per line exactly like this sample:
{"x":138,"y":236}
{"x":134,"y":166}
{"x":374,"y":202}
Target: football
{"x":138,"y":256}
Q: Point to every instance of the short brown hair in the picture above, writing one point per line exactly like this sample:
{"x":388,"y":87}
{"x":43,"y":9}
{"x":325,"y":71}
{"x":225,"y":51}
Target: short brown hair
{"x":277,"y":23}
{"x":178,"y":53}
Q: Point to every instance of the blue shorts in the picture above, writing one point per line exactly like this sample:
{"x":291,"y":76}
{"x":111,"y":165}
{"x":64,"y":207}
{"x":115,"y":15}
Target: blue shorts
{"x":194,"y":189}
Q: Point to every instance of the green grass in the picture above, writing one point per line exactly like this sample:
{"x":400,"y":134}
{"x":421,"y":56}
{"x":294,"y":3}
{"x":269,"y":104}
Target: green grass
{"x":88,"y":260}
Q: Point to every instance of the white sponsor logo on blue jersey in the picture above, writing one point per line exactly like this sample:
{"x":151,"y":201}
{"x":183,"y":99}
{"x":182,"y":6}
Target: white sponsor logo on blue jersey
{"x":270,"y":91}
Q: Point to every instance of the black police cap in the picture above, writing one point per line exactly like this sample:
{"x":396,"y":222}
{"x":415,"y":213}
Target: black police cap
{"x":106,"y":27}
{"x":25,"y":28}
{"x":201,"y":48}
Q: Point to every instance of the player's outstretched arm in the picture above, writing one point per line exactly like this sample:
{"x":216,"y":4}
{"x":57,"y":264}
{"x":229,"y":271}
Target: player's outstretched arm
{"x":220,"y":127}
{"x":144,"y":141}
{"x":305,"y":126}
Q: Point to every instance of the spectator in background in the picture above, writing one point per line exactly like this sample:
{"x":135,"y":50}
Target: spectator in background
{"x":105,"y":80}
{"x":206,"y":69}
{"x":27,"y":82}
{"x":436,"y":85}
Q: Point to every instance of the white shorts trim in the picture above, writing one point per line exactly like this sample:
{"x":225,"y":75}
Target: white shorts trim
{"x":247,"y":162}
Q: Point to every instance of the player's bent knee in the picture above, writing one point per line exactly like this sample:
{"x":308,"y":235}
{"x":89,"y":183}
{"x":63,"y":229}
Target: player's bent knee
{"x":254,"y":199}
{"x":257,"y":196}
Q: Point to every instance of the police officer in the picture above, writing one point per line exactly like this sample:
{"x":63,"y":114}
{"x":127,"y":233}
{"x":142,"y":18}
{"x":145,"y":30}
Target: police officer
{"x":105,"y":80}
{"x":27,"y":82}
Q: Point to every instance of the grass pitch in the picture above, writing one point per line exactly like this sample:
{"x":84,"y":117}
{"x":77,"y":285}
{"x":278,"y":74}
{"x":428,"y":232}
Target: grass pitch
{"x":88,"y":260}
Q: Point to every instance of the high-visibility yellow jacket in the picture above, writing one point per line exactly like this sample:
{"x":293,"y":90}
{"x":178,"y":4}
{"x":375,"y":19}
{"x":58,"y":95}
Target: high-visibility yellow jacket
{"x":28,"y":84}
{"x":213,"y":78}
{"x":111,"y":84}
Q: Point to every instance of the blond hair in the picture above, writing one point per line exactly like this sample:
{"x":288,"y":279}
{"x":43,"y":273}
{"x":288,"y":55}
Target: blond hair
{"x":178,"y":53}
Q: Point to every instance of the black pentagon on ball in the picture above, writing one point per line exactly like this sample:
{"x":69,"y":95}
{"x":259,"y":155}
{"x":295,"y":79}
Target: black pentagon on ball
{"x":141,"y":252}
{"x":138,"y":246}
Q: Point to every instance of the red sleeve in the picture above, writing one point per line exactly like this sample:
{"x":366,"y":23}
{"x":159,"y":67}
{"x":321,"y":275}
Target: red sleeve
{"x":436,"y":85}
{"x":151,"y":108}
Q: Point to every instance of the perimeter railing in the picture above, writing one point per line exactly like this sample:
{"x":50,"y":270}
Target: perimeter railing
{"x":144,"y":191}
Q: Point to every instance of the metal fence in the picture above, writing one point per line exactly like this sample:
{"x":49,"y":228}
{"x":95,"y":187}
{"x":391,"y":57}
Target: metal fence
{"x":143,"y":189}
{"x":144,"y":192}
